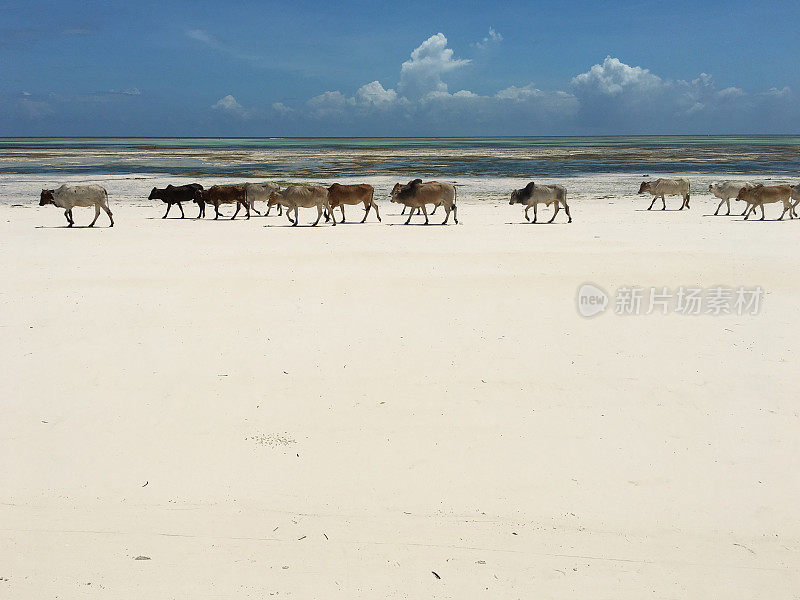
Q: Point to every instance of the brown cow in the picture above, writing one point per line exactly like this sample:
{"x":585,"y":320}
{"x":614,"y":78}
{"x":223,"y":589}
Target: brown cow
{"x":416,"y":194}
{"x":760,"y":195}
{"x":362,"y":193}
{"x":222,"y":194}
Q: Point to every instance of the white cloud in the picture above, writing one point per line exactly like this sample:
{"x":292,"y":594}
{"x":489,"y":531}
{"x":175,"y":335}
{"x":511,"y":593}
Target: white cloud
{"x":493,"y":38}
{"x":200,"y":36}
{"x":282,"y":109}
{"x":374,"y":94}
{"x":422,"y":73}
{"x":126,"y":92}
{"x":228,"y":104}
{"x":614,"y":78}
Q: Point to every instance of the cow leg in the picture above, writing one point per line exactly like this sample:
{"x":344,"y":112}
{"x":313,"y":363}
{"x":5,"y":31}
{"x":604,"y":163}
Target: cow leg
{"x":553,"y":218}
{"x":254,"y":209}
{"x":333,"y":216}
{"x":372,"y":203}
{"x":720,"y":206}
{"x":68,"y":214}
{"x":280,"y":209}
{"x":527,"y":208}
{"x":319,"y":215}
{"x":367,"y":206}
{"x":663,"y":203}
{"x":569,"y":216}
{"x":410,"y":214}
{"x":683,"y":204}
{"x":762,"y":211}
{"x":688,"y":197}
{"x":425,"y":212}
{"x":269,"y":208}
{"x":110,"y":215}
{"x":785,"y":208}
{"x":181,"y":209}
{"x":247,"y":208}
{"x":96,"y":214}
{"x":433,"y":212}
{"x":342,"y":207}
{"x":402,"y":212}
{"x":169,"y":205}
{"x":535,"y":216}
{"x":216,"y":210}
{"x":447,"y":210}
{"x":296,"y":216}
{"x":236,"y":212}
{"x":653,"y":202}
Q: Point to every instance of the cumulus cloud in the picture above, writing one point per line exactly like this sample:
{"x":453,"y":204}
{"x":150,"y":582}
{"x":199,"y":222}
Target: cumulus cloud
{"x":228,"y":104}
{"x":374,"y":94}
{"x":422,"y":73}
{"x":493,"y":38}
{"x":610,"y":97}
{"x":615,"y":78}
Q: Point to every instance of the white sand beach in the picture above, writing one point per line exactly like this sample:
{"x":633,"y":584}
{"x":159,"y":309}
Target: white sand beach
{"x":381,"y":411}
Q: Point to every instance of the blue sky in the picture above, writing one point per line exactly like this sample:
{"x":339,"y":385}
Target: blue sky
{"x":398,"y":69}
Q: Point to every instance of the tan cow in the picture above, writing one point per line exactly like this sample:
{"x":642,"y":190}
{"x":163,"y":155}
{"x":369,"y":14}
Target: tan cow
{"x":222,"y":194}
{"x":260,"y":192}
{"x":339,"y":195}
{"x":667,"y":187}
{"x":760,"y":195}
{"x":302,"y":196}
{"x":417,"y":194}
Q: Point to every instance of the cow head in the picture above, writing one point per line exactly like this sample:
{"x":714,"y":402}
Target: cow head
{"x":515,"y":197}
{"x":153,"y":194}
{"x":745,"y":193}
{"x":46,"y":198}
{"x":395,"y":190}
{"x":645,"y":187}
{"x":199,"y":196}
{"x":711,"y":187}
{"x":273,"y":198}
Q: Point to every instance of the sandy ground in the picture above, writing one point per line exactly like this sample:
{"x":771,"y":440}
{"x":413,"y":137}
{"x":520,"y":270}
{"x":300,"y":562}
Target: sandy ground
{"x":343,"y":412}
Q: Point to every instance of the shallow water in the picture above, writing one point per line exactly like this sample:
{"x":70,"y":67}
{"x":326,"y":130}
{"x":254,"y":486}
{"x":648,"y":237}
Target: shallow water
{"x":433,"y":157}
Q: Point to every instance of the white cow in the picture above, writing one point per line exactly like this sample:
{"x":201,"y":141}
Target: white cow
{"x":70,"y":196}
{"x":667,"y":187}
{"x":260,"y":192}
{"x":537,"y":193}
{"x":302,"y":196}
{"x":725,"y":190}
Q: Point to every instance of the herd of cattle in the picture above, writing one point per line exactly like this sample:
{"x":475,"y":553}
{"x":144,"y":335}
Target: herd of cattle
{"x":416,"y":195}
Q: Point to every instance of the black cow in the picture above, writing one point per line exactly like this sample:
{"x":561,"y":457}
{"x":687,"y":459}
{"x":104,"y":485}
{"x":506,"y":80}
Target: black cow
{"x":173,"y":194}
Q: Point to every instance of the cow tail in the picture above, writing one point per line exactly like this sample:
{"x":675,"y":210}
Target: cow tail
{"x":105,"y":193}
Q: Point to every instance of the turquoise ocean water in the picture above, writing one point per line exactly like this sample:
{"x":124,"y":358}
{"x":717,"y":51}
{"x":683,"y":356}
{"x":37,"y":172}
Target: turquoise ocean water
{"x":451,"y":157}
